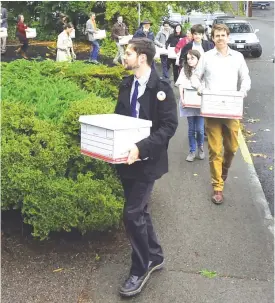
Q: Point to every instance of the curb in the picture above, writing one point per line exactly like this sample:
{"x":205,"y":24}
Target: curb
{"x":256,"y":184}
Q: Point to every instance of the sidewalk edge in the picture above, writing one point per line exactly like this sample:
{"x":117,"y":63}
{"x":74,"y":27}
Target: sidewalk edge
{"x":255,"y":183}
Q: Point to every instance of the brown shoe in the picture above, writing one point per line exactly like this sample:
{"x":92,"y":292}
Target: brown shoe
{"x":224,"y":173}
{"x":217,"y":198}
{"x":18,"y":50}
{"x":24,"y":56}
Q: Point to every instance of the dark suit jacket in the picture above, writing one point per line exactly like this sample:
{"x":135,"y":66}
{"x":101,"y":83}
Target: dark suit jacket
{"x":206,"y":45}
{"x":163,"y":115}
{"x":141,"y":34}
{"x":4,"y":17}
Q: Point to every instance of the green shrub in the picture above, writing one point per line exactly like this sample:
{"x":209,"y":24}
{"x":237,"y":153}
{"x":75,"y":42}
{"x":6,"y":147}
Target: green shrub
{"x":60,"y":204}
{"x":43,"y":172}
{"x":108,"y":47}
{"x":52,"y":86}
{"x":50,"y":95}
{"x":29,"y":147}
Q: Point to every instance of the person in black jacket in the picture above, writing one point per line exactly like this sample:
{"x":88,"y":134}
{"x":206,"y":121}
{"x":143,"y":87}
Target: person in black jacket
{"x":173,"y":41}
{"x":144,"y":31}
{"x":144,"y":95}
{"x":197,"y":32}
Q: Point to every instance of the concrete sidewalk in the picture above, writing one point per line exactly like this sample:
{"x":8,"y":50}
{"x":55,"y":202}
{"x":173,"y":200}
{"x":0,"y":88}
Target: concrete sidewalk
{"x":233,"y":239}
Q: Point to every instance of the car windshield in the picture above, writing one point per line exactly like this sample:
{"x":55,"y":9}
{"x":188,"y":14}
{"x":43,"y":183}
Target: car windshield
{"x":239,"y":28}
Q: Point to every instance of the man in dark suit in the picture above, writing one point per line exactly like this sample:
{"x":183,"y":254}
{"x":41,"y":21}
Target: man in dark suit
{"x":144,"y":95}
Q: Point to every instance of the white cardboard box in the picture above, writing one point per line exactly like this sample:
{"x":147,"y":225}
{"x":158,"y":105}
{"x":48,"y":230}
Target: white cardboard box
{"x":3,"y":32}
{"x":101,"y":34}
{"x":125,"y":40}
{"x":72,"y":34}
{"x":109,"y":137}
{"x":31,"y":33}
{"x":191,"y":98}
{"x":222,"y":104}
{"x":171,"y":53}
{"x":160,"y":51}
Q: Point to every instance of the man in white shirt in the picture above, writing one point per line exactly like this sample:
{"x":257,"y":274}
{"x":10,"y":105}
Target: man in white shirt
{"x":222,"y":68}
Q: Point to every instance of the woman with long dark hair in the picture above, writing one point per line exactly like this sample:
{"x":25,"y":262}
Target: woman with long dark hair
{"x":173,"y":41}
{"x":21,"y":34}
{"x":195,"y":120}
{"x":65,"y":50}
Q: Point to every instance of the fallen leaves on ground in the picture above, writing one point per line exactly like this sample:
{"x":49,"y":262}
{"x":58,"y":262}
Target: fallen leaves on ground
{"x":249,"y":133}
{"x":253,"y":120}
{"x":251,"y":141}
{"x":58,"y":269}
{"x":195,"y":174}
{"x":270,"y":167}
{"x":259,"y":155}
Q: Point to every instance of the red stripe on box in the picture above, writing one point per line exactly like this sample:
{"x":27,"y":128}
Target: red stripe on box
{"x":221,"y":116}
{"x":103,"y":158}
{"x":192,"y":105}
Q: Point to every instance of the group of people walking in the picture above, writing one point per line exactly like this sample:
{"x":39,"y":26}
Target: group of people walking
{"x":145,"y":95}
{"x":21,"y":30}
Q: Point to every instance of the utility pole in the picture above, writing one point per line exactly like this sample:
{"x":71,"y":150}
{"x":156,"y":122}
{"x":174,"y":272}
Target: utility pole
{"x":249,"y":8}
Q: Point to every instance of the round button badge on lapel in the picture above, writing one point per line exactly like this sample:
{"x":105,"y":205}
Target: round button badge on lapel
{"x":161,"y":95}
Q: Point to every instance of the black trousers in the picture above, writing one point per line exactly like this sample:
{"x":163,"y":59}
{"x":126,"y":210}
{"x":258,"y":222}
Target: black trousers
{"x":138,"y":225}
{"x":24,"y":41}
{"x":175,"y":69}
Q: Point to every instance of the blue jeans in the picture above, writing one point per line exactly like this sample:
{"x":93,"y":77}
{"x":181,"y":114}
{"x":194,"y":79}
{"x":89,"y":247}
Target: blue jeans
{"x":195,"y":131}
{"x":94,"y":52}
{"x":165,"y":66}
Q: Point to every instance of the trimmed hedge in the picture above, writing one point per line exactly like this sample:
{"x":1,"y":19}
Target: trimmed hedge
{"x":43,"y":172}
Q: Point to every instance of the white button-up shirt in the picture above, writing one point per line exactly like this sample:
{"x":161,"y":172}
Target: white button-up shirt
{"x":198,"y":47}
{"x":141,"y":89}
{"x":222,"y":72}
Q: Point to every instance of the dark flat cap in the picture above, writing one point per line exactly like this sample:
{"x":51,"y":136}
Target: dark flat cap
{"x":146,"y":22}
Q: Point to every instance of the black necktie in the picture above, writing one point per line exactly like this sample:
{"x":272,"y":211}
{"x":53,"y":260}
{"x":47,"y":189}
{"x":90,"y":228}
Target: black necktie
{"x":134,"y":100}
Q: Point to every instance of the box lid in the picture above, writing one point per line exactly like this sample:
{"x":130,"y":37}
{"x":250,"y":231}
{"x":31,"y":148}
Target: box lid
{"x":114,"y":121}
{"x":223,"y":93}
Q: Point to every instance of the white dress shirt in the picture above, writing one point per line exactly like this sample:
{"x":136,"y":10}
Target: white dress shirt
{"x":141,"y":88}
{"x":198,"y":47}
{"x":222,"y":72}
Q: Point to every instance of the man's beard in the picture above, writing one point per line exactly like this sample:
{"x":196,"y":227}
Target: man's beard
{"x":131,"y":67}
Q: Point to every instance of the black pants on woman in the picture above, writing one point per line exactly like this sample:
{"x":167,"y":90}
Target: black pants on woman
{"x":175,"y":69}
{"x":24,"y":41}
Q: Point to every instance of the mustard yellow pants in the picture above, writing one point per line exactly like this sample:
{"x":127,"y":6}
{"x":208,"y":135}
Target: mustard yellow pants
{"x":222,"y":145}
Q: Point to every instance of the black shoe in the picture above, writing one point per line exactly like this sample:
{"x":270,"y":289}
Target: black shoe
{"x":155,"y":265}
{"x":133,"y":285}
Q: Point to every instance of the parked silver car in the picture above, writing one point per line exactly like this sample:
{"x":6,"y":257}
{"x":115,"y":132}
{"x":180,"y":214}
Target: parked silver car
{"x":243,"y":37}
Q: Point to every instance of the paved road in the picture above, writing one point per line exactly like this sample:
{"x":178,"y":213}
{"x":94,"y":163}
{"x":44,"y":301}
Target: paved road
{"x":260,"y":103}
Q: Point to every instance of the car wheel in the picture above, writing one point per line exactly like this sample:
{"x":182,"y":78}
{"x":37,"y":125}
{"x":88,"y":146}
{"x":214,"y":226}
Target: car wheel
{"x":257,"y":53}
